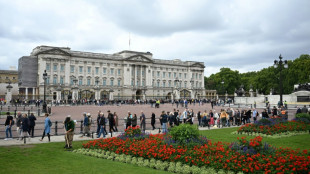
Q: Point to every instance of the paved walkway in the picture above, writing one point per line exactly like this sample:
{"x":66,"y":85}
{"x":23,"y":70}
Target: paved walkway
{"x":77,"y":137}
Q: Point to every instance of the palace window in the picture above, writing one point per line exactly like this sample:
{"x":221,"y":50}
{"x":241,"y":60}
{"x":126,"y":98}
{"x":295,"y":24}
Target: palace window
{"x":55,"y":80}
{"x":72,"y":68}
{"x":88,"y":70}
{"x":112,"y":82}
{"x":164,"y":74}
{"x":62,"y":68}
{"x":104,"y":71}
{"x":48,"y":80}
{"x":104,"y":82}
{"x":169,"y":74}
{"x":48,"y":66}
{"x":80,"y":81}
{"x":119,"y":72}
{"x":81,"y":69}
{"x":61,"y":80}
{"x":112,"y":71}
{"x":55,"y":67}
{"x":97,"y":70}
{"x":118,"y":82}
{"x":88,"y":82}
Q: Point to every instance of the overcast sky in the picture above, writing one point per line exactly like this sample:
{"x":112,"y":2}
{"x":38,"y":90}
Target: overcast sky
{"x":244,"y":35}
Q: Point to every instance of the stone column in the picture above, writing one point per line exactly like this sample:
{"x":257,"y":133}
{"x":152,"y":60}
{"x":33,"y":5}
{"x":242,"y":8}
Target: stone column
{"x":34,"y":93}
{"x":192,"y":93}
{"x":58,"y":95}
{"x":111,"y":95}
{"x":26,"y":93}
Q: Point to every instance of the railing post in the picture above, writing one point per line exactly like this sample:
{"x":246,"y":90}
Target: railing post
{"x":39,"y":112}
{"x":28,"y":112}
{"x":56,"y":127}
{"x":24,"y":108}
{"x":9,"y":108}
{"x":15,"y":114}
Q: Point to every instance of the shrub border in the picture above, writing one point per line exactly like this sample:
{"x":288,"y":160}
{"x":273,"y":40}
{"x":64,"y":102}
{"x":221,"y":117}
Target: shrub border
{"x":280,"y":135}
{"x":151,"y":163}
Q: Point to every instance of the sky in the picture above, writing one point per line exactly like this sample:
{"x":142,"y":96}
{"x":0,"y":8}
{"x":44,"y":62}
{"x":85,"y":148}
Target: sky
{"x":244,"y":35}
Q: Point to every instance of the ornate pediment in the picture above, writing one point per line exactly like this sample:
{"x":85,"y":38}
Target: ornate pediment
{"x":139,"y":58}
{"x":55,"y":51}
{"x":200,"y":65}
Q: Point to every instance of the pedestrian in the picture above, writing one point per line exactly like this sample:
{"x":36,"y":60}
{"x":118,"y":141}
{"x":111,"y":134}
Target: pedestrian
{"x":128,"y":120}
{"x":25,"y":126}
{"x":98,"y":119}
{"x":134,"y":120}
{"x":8,"y":125}
{"x":69,"y":127}
{"x":254,"y":114}
{"x":102,"y":125}
{"x":171,"y":119}
{"x":164,"y":120}
{"x":85,"y":124}
{"x":211,"y":118}
{"x":224,"y":117}
{"x":111,"y":122}
{"x":153,"y":120}
{"x":47,"y":128}
{"x":304,"y":109}
{"x":199,"y":118}
{"x":19,"y":125}
{"x":115,"y":121}
{"x":32,"y":124}
{"x":175,"y":117}
{"x":142,"y":121}
{"x":265,"y":114}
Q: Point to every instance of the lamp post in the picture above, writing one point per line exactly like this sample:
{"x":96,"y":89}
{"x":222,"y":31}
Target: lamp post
{"x":222,"y":82}
{"x":279,"y":64}
{"x":44,"y":95}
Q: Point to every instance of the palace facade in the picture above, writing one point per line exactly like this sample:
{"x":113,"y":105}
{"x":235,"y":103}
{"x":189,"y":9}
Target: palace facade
{"x":73,"y":75}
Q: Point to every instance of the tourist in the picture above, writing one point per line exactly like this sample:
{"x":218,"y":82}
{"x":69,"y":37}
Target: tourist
{"x":8,"y":125}
{"x":230,"y":116}
{"x":102,"y":125}
{"x":254,"y":114}
{"x":199,"y":118}
{"x":32,"y":124}
{"x":243,"y":116}
{"x":283,"y":113}
{"x":128,"y":120}
{"x":115,"y":121}
{"x":224,"y":117}
{"x":153,"y":120}
{"x":211,"y":118}
{"x":237,"y":117}
{"x":142,"y":121}
{"x":265,"y":114}
{"x":47,"y":128}
{"x":164,"y":120}
{"x":175,"y":117}
{"x":274,"y":111}
{"x":134,"y":120}
{"x":85,"y":125}
{"x":248,"y":116}
{"x":19,"y":125}
{"x":298,"y":111}
{"x":111,"y":122}
{"x":304,"y":109}
{"x":98,"y":119}
{"x":69,"y":127}
{"x":25,"y":126}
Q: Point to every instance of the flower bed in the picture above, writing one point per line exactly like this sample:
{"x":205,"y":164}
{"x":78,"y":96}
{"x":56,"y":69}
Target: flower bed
{"x":273,"y":126}
{"x":216,"y":155}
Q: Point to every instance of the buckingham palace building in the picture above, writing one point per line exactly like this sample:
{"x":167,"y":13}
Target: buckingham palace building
{"x":75,"y":75}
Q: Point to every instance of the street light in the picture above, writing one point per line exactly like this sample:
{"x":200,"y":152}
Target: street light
{"x":223,"y":86}
{"x":44,"y":99}
{"x":276,"y":65}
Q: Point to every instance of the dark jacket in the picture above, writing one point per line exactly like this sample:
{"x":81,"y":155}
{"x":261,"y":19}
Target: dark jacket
{"x":32,"y":120}
{"x":25,"y":124}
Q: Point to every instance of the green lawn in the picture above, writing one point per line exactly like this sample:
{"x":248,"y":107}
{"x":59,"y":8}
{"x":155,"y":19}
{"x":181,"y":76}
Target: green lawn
{"x":224,"y":135}
{"x":52,"y":158}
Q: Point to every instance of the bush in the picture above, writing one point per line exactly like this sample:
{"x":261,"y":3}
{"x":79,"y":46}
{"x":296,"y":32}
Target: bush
{"x":303,"y":115}
{"x":182,"y":133}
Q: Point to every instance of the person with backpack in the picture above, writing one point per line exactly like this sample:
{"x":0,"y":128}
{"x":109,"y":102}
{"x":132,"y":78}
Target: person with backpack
{"x":8,"y":125}
{"x":47,"y":128}
{"x":102,"y":125}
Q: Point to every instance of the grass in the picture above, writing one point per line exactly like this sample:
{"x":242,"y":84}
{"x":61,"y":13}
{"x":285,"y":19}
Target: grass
{"x":52,"y":158}
{"x":224,"y":135}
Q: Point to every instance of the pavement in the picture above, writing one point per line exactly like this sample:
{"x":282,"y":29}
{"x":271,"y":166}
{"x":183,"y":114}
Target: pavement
{"x":77,"y":137}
